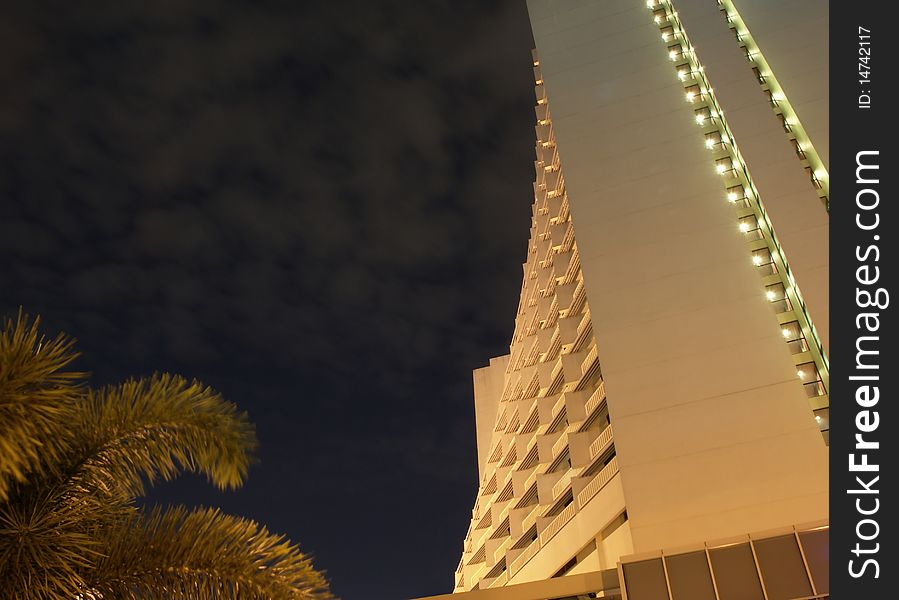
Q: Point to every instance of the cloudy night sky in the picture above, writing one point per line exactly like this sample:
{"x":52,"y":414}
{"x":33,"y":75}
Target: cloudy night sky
{"x":319,"y":209}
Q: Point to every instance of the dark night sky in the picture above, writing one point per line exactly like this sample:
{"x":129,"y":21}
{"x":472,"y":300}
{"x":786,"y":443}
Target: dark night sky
{"x":319,"y":209}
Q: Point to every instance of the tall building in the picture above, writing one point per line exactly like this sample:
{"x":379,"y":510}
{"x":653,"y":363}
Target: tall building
{"x":662,"y":414}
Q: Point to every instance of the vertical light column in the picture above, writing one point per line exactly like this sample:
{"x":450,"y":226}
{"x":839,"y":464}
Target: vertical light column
{"x":766,"y":251}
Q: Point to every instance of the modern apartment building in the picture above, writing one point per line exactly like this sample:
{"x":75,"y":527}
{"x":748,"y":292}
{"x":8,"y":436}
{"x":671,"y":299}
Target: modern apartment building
{"x":662,"y":414}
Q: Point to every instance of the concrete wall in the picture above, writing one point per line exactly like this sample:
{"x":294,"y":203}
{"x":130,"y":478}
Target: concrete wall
{"x":713,"y":431}
{"x":488,"y":389}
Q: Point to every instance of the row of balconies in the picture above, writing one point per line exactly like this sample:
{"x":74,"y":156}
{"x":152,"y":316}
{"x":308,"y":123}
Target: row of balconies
{"x":503,"y":556}
{"x":515,"y":522}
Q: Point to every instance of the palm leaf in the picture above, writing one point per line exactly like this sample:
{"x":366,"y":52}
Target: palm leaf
{"x":36,"y":398}
{"x":181,"y":554}
{"x":143,"y":430}
{"x":48,"y":543}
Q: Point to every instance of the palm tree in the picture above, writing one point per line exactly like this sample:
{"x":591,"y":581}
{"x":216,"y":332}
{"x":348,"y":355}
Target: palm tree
{"x":73,"y":460}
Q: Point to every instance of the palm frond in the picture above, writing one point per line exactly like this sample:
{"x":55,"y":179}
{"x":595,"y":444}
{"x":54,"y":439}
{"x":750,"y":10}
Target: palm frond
{"x":36,"y":398}
{"x":47,"y":543}
{"x":181,"y":554}
{"x":147,"y":429}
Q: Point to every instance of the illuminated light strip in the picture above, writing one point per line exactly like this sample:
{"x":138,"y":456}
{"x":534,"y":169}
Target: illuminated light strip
{"x":779,"y":97}
{"x":737,"y":168}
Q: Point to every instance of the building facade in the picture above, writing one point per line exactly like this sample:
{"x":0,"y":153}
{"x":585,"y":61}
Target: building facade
{"x":666,"y":391}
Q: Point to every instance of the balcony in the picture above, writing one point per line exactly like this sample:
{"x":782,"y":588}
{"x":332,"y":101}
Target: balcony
{"x":598,"y":482}
{"x":556,"y":525}
{"x":591,"y":357}
{"x":523,"y":558}
{"x":599,"y":394}
{"x":600,"y":443}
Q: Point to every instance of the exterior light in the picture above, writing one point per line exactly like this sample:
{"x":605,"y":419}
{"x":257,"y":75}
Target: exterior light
{"x":657,"y":19}
{"x":786,"y":332}
{"x":770,"y":295}
{"x":666,"y":36}
{"x":757,"y":260}
{"x":818,"y":418}
{"x":682,"y":74}
{"x":801,"y":374}
{"x":819,"y":173}
{"x":709,"y":143}
{"x":720,"y":168}
{"x":672,"y":55}
{"x":732,"y":196}
{"x":690,"y":96}
{"x":650,"y":3}
{"x":700,"y":119}
{"x":744,"y":227}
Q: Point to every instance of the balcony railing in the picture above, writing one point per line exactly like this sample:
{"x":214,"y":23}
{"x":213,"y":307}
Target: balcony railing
{"x":502,"y":580}
{"x":599,"y":481}
{"x":584,"y":324}
{"x":601,"y":442}
{"x":561,"y":485}
{"x":598,"y":395}
{"x":476,"y":575}
{"x":558,"y":523}
{"x":588,"y":360}
{"x":560,"y":443}
{"x":529,"y":519}
{"x":523,"y":558}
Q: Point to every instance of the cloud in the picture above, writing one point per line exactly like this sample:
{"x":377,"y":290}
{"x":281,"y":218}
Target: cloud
{"x":319,"y":208}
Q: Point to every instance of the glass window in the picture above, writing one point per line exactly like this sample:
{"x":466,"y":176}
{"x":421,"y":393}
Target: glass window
{"x":758,"y":74}
{"x":675,"y":52}
{"x":811,"y":379}
{"x":750,"y":227}
{"x":822,"y":418}
{"x":782,"y":568}
{"x":689,"y":576}
{"x":792,"y":333}
{"x":735,"y":573}
{"x":725,"y":166}
{"x":764,"y":262}
{"x":645,"y":580}
{"x":777,"y":295}
{"x":815,"y":546}
{"x":737,"y":195}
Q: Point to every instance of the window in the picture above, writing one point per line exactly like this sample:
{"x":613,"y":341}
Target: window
{"x":735,"y":572}
{"x":770,"y":95}
{"x":758,"y":74}
{"x":814,"y":178}
{"x":645,"y":580}
{"x":737,"y":195}
{"x":703,"y":115}
{"x":667,"y":33}
{"x":725,"y":166}
{"x":689,"y":576}
{"x":811,"y":379}
{"x":784,"y":123}
{"x":777,"y":295}
{"x":750,"y":228}
{"x":764,"y":262}
{"x":798,"y":148}
{"x":713,"y":139}
{"x":694,"y":92}
{"x":783,"y":570}
{"x":792,"y":333}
